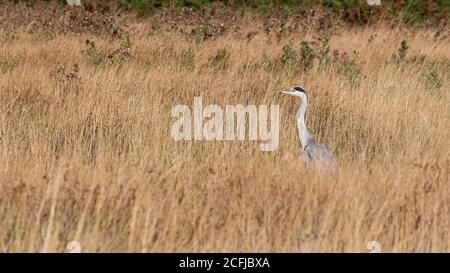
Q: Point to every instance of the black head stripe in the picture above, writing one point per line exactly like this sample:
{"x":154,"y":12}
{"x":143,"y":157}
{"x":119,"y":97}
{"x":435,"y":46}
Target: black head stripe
{"x":300,"y":89}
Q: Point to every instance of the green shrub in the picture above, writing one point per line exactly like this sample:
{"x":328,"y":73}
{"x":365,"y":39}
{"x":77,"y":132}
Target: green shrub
{"x":352,"y":71}
{"x":324,"y":57}
{"x":7,"y":63}
{"x":288,"y":56}
{"x":433,"y":79}
{"x":220,"y":59}
{"x":307,"y":56}
{"x":401,"y":52}
{"x":142,"y":6}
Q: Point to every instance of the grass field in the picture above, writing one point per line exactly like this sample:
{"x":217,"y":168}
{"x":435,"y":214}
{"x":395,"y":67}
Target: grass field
{"x":86,"y":152}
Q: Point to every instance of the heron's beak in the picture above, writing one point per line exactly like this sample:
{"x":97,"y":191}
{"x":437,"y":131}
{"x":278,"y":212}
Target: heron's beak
{"x":284,"y":90}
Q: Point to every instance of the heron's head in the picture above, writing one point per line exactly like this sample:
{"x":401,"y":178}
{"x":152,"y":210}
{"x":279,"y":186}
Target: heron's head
{"x":297,"y":91}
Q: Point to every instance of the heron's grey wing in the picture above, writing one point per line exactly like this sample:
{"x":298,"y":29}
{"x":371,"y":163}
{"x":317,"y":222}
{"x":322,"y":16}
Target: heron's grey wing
{"x":325,"y":155}
{"x":324,"y":151}
{"x":318,"y":155}
{"x":308,"y":155}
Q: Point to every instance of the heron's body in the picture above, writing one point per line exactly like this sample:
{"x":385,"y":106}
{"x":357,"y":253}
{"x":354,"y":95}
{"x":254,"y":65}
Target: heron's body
{"x":316,"y":155}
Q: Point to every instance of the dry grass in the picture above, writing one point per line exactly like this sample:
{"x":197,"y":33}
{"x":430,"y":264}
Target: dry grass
{"x":88,"y":155}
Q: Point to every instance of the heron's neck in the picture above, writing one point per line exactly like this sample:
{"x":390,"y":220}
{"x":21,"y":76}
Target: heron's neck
{"x":303,"y":133}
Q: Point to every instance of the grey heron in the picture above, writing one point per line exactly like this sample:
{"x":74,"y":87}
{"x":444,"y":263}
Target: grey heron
{"x":316,"y":155}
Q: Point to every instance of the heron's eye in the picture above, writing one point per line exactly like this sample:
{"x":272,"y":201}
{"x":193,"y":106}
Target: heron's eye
{"x":299,"y":89}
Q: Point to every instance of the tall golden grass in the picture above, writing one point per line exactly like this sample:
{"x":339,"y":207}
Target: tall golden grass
{"x":87,"y":155}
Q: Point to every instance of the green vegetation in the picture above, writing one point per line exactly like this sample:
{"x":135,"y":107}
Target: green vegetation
{"x":98,"y":56}
{"x":310,"y":58}
{"x":411,"y":11}
{"x":220,"y":59}
{"x":324,"y":58}
{"x":354,"y":11}
{"x":288,"y":56}
{"x":402,"y":50}
{"x":307,"y":56}
{"x":7,"y":63}
{"x":433,"y":79}
{"x":352,"y":71}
